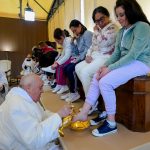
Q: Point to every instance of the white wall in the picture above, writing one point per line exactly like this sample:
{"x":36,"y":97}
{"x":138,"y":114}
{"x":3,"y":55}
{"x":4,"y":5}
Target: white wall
{"x":145,"y":4}
{"x":71,"y":9}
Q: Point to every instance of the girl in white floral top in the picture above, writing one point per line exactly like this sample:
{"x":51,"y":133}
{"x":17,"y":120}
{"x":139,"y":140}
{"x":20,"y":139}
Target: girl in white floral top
{"x":103,"y":43}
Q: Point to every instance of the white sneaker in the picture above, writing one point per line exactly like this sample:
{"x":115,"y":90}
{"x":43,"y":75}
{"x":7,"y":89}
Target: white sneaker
{"x":57,"y":88}
{"x":93,"y":108}
{"x":63,"y":89}
{"x":65,"y":96}
{"x":51,"y":82}
{"x":46,"y":82}
{"x":48,"y":69}
{"x":43,"y":77}
{"x":73,"y":97}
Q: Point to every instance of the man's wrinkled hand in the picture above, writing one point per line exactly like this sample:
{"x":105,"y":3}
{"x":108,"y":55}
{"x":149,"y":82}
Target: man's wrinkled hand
{"x":65,"y":111}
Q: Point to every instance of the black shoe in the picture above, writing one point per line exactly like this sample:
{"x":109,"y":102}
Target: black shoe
{"x":54,"y":85}
{"x":93,"y":109}
{"x":97,"y":120}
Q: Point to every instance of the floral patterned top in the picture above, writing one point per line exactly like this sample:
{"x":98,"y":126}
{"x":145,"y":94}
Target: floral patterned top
{"x":103,"y":40}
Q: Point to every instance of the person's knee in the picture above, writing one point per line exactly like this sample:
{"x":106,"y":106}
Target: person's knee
{"x":77,"y":69}
{"x":85,"y":74}
{"x":103,"y":84}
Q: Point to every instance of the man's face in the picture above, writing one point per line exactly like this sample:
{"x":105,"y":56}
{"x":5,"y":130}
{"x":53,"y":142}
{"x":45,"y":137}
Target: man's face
{"x":36,"y":90}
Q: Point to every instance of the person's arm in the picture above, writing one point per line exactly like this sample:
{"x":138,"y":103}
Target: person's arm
{"x":94,"y":41}
{"x":108,"y":36}
{"x":139,"y":45}
{"x":87,"y":41}
{"x":75,"y":51}
{"x":103,"y":39}
{"x":32,"y":132}
{"x":67,"y":48}
{"x":116,"y":54}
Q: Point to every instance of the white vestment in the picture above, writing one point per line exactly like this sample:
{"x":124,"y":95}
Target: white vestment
{"x":24,"y":125}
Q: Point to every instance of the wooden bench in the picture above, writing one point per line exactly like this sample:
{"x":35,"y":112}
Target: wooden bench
{"x":133,"y":104}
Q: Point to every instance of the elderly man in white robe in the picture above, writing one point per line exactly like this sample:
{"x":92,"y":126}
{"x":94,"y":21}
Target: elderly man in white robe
{"x":24,"y":123}
{"x":3,"y":86}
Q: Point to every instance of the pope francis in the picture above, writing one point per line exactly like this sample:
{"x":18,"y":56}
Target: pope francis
{"x":24,"y":125}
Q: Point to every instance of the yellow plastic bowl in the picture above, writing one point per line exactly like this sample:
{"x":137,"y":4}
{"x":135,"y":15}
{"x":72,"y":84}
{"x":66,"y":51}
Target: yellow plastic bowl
{"x":80,"y":125}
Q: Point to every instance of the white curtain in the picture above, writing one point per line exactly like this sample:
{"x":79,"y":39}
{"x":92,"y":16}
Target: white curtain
{"x":145,"y":4}
{"x":88,"y":14}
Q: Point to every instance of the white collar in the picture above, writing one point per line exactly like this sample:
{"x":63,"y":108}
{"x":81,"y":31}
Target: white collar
{"x":21,"y":92}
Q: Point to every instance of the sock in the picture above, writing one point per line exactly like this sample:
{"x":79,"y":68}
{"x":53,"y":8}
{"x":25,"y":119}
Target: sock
{"x":103,"y":114}
{"x":112,"y":123}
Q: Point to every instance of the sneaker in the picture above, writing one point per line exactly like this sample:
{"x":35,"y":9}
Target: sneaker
{"x":65,"y":96}
{"x":73,"y":97}
{"x":46,"y":82}
{"x":43,"y":77}
{"x":54,"y":85}
{"x":51,"y":82}
{"x":104,"y":129}
{"x":93,"y":109}
{"x":98,"y":119}
{"x":63,"y":89}
{"x":57,"y":88}
{"x":48,"y":69}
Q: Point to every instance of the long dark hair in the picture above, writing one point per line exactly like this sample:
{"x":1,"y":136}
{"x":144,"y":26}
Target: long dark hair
{"x":102,"y":10}
{"x":66,"y":32}
{"x":133,"y":11}
{"x":59,"y":32}
{"x":75,"y":23}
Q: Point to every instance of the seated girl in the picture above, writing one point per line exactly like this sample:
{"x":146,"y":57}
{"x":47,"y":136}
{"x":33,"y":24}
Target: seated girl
{"x":65,"y":58}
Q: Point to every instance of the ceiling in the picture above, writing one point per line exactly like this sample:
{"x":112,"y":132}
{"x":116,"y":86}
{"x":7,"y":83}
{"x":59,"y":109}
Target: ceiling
{"x":11,"y":8}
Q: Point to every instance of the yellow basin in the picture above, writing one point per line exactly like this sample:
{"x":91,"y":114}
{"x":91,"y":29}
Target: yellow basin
{"x":80,"y":125}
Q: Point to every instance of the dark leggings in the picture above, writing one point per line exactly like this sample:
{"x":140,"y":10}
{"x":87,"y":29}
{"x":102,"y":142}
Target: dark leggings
{"x":69,"y":71}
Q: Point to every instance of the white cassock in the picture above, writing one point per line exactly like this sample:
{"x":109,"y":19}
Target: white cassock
{"x":4,"y":82}
{"x":24,"y":125}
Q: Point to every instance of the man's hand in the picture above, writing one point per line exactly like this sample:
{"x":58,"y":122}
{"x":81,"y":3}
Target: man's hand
{"x":88,"y":59}
{"x":65,"y":111}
